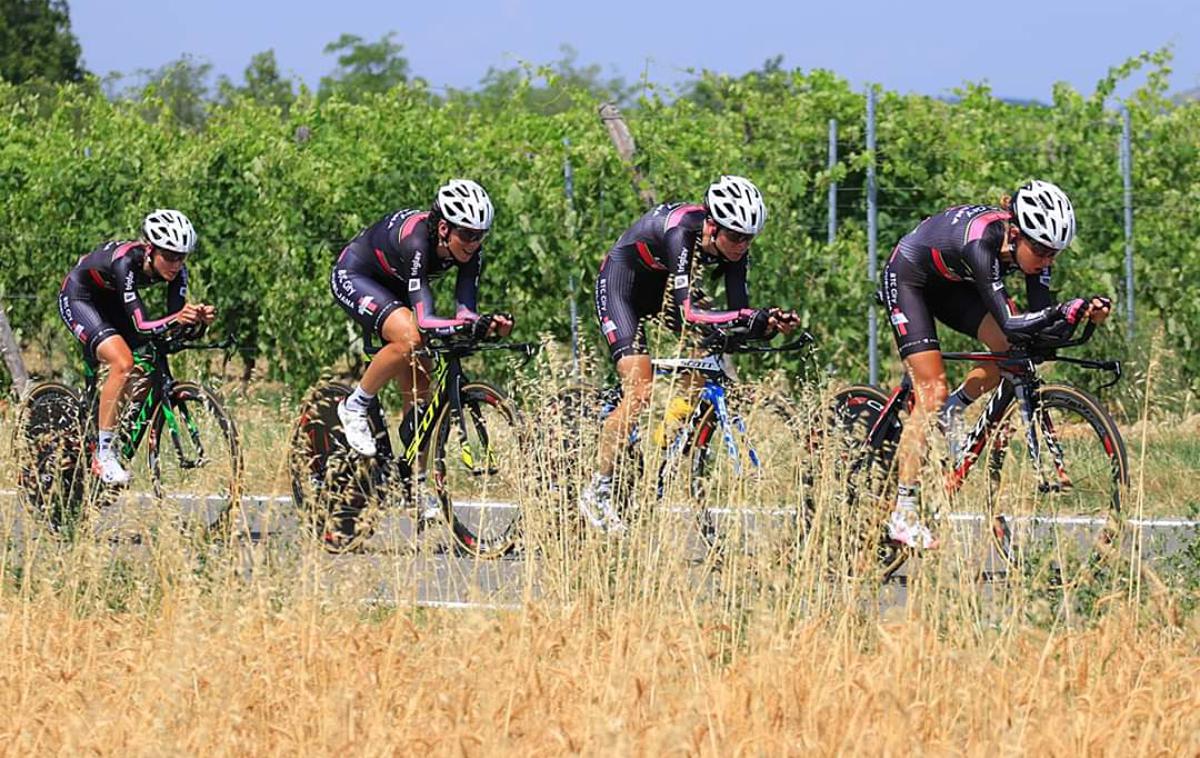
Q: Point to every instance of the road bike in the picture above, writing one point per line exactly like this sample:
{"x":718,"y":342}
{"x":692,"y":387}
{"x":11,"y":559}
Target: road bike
{"x":1055,"y":462}
{"x":470,"y":428}
{"x":740,"y":450}
{"x":193,"y":458}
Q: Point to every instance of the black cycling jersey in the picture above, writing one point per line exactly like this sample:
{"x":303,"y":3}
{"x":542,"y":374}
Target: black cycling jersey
{"x":662,"y":247}
{"x":951,"y":264}
{"x":99,"y":297}
{"x":390,"y":265}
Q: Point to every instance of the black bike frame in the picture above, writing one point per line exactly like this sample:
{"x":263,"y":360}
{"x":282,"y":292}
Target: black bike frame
{"x":447,"y":379}
{"x":152,"y":359}
{"x":1019,"y":382}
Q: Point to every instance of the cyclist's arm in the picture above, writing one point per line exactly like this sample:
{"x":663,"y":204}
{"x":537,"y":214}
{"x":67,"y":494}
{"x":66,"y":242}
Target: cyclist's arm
{"x":737,"y":291}
{"x":680,"y":244}
{"x":177,"y":292}
{"x":1037,"y":290}
{"x":466,"y":287}
{"x":985,"y":270}
{"x":421,"y":297}
{"x":132,"y":302}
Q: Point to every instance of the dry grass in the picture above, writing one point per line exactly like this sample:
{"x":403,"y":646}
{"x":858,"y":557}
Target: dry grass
{"x":636,"y":646}
{"x":202,"y":679}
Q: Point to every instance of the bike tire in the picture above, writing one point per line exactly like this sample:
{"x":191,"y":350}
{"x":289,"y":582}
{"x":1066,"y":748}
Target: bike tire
{"x":866,"y":472}
{"x":52,"y":464}
{"x":1025,"y":515}
{"x":477,"y":480}
{"x":333,"y":488}
{"x":195,"y":460}
{"x":770,"y":446}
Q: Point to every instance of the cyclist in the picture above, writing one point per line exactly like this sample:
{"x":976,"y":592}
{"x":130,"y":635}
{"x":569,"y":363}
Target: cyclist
{"x":381,"y":279}
{"x":951,"y":268}
{"x":662,"y":248}
{"x":99,"y":303}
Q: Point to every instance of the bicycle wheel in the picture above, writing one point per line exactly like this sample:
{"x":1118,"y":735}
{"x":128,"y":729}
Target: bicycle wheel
{"x":866,"y":474}
{"x":333,"y":488}
{"x":194,"y":459}
{"x":749,"y":480}
{"x":1056,"y":516}
{"x":52,"y":468}
{"x":477,"y":470}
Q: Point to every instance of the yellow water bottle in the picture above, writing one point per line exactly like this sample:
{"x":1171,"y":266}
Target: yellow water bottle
{"x":678,"y":411}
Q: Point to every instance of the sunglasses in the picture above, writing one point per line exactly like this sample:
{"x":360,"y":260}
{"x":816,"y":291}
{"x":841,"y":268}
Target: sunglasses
{"x":736,"y":238}
{"x":170,"y":256}
{"x":1043,"y":252}
{"x":470,"y":235}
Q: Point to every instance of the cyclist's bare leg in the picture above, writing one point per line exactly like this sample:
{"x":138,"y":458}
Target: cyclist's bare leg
{"x":401,"y":337}
{"x":983,"y":377}
{"x":928,"y":373}
{"x":636,"y":374}
{"x":113,"y":352}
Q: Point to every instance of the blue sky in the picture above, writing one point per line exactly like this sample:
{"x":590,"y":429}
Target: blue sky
{"x":1020,"y":48}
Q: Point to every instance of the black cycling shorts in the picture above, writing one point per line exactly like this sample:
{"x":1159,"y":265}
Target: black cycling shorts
{"x":93,"y":320}
{"x":913,"y":305}
{"x":622,"y":306}
{"x":369,"y":302}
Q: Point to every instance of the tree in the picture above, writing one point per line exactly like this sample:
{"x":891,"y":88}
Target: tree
{"x":36,"y":42}
{"x":264,"y":85}
{"x":181,"y":86}
{"x":364,"y":67}
{"x":499,"y":87}
{"x":717,"y":92}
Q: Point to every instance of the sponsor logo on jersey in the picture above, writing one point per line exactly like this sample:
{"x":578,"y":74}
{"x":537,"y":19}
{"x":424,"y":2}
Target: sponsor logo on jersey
{"x":367,"y":304}
{"x":608,"y":329}
{"x":414,"y":285}
{"x":129,"y":297}
{"x":681,"y":280}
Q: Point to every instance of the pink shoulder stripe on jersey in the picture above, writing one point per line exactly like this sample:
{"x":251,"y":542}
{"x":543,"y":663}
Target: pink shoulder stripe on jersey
{"x":676,"y":216}
{"x":143,"y":325}
{"x":123,"y":249}
{"x":648,"y":257}
{"x":941,"y":266}
{"x":407,"y":227}
{"x":980,"y":222}
{"x":379,"y":256}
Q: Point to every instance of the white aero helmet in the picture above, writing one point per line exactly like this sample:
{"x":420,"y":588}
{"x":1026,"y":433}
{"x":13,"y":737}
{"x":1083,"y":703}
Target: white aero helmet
{"x":1044,"y":214}
{"x":464,"y":203}
{"x":736,"y":204}
{"x":170,"y":230}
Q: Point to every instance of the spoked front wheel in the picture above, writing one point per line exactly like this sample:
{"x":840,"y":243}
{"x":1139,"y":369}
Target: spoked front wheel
{"x":749,"y":478}
{"x":478,"y":467}
{"x":1056,"y":490}
{"x":195,"y":460}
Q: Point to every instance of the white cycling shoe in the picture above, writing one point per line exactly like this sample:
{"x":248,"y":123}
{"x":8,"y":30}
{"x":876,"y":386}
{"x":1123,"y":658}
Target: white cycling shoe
{"x":357,"y":430}
{"x":109,"y":469}
{"x":595,"y":504}
{"x":905,"y":528}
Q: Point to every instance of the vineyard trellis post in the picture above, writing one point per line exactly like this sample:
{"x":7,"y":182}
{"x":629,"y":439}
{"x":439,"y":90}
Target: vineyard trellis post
{"x":569,"y":192}
{"x":1127,"y":181}
{"x":833,"y":188}
{"x":872,"y":241}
